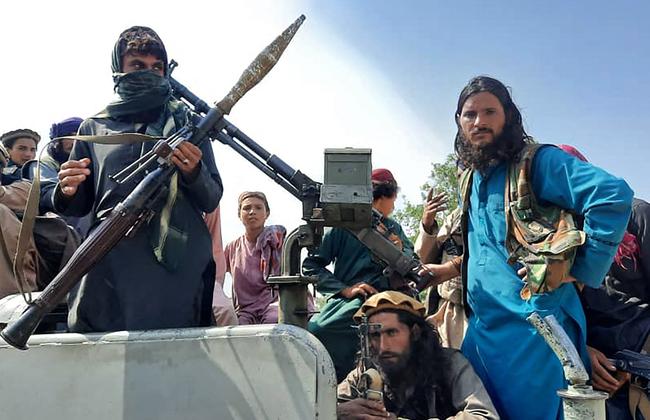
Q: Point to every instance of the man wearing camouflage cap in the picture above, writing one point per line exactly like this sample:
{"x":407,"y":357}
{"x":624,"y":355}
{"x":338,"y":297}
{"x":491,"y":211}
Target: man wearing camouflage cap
{"x":421,"y":379}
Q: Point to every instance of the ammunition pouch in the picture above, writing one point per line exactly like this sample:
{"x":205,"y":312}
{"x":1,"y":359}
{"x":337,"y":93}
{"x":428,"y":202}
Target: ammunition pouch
{"x":544,"y":239}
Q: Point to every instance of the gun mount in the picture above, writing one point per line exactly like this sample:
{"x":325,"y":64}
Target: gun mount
{"x":338,"y":204}
{"x":344,"y":200}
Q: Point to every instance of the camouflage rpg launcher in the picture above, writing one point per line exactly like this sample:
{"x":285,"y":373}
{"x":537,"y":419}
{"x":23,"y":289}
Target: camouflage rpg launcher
{"x":138,"y":205}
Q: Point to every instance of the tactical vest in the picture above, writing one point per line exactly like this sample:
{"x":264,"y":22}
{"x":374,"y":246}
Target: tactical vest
{"x":544,"y":239}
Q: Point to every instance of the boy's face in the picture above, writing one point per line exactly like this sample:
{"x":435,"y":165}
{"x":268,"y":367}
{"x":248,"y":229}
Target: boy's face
{"x":23,"y":150}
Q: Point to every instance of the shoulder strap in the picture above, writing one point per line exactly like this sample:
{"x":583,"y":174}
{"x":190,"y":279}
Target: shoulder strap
{"x":120,"y":138}
{"x":465,"y":184}
{"x":518,"y":184}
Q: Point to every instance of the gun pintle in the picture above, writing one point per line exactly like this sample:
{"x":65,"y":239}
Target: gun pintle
{"x":260,"y":67}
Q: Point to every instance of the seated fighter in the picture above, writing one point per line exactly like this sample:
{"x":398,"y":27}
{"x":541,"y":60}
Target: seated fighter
{"x":13,"y":198}
{"x":21,"y":145}
{"x":421,"y":379}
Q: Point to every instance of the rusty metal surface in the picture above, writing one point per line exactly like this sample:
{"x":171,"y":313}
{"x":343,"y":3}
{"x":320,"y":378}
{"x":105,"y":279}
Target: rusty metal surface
{"x":260,"y":67}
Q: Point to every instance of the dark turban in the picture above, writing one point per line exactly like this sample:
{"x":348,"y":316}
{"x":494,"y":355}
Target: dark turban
{"x":65,"y":127}
{"x":149,"y":40}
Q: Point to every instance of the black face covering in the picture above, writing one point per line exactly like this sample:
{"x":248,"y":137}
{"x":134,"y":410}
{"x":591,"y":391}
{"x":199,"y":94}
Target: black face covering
{"x":142,"y":91}
{"x":138,"y":91}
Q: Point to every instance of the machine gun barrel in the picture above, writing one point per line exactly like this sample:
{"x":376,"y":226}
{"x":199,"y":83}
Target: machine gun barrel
{"x":275,"y":168}
{"x":181,"y":91}
{"x":255,"y":161}
{"x":295,"y":182}
{"x":295,"y":177}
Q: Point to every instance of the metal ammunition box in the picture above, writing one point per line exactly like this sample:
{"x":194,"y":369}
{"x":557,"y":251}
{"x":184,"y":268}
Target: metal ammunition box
{"x":346,"y":193}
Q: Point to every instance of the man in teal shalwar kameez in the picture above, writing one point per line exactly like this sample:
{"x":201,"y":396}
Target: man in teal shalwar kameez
{"x":518,"y":368}
{"x":356,"y":276}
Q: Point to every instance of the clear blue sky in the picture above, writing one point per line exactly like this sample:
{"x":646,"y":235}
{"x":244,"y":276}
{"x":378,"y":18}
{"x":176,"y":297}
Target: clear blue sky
{"x":361,"y":73}
{"x":579,"y":71}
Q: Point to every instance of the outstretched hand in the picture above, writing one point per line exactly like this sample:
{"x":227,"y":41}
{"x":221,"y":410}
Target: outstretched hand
{"x":432,"y":207}
{"x":437,"y":274}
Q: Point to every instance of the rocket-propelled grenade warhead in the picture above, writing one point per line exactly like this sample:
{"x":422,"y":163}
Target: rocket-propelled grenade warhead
{"x":259,"y":68}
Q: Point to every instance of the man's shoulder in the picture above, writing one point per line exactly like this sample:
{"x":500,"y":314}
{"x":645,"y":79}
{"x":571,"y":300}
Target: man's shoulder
{"x":531,"y":151}
{"x":640,"y":205}
{"x":548,"y":154}
{"x":98,"y":125}
{"x":455,"y":360}
{"x":451,"y":354}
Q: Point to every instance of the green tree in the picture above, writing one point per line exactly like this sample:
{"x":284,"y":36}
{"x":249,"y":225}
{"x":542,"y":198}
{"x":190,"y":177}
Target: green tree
{"x":442,"y":179}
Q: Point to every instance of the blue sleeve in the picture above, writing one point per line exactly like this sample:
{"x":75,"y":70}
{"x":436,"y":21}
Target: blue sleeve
{"x":315,"y":264}
{"x":603,"y":200}
{"x":49,"y":179}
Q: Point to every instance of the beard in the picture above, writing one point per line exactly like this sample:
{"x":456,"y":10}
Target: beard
{"x":483,"y":156}
{"x":395,"y":368}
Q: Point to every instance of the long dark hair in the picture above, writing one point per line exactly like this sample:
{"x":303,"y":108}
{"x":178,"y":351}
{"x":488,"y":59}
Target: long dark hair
{"x":384,"y":189}
{"x":512,"y":139}
{"x":428,"y":364}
